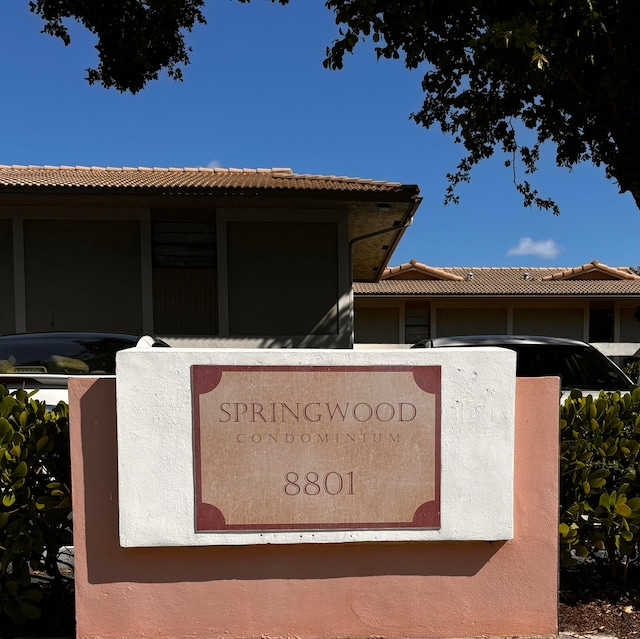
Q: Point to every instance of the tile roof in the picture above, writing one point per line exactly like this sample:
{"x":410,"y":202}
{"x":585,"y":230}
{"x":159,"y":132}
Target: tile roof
{"x":503,"y":281}
{"x":593,"y":270}
{"x":378,"y":211}
{"x":187,"y":178}
{"x":415,"y":270}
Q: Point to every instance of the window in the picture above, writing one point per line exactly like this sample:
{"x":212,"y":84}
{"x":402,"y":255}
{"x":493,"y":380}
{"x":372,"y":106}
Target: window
{"x":417,"y":322}
{"x":601,"y":323}
{"x":184,"y":278}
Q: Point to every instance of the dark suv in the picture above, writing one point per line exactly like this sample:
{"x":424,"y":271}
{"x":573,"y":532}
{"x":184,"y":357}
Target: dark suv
{"x":578,"y":364}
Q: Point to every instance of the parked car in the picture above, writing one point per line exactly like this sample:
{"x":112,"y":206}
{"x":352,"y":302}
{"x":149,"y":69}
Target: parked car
{"x":45,"y":361}
{"x":578,"y":364}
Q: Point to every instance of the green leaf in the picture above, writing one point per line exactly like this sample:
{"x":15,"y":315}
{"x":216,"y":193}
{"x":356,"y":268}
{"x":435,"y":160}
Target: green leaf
{"x":20,"y":470}
{"x":41,"y":443}
{"x":8,"y":500}
{"x":623,"y":510}
{"x":6,"y":405}
{"x":5,"y":427}
{"x":13,"y":611}
{"x":634,"y":503}
{"x":33,"y":595}
{"x":29,"y":610}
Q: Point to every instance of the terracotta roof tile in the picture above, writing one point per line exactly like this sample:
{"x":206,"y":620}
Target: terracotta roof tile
{"x":507,"y":281}
{"x":186,"y":178}
{"x":592,"y":269}
{"x":417,"y":271}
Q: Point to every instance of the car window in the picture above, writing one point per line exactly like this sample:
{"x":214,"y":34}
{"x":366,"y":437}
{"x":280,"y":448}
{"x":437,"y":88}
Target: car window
{"x":71,"y":356}
{"x":578,"y":367}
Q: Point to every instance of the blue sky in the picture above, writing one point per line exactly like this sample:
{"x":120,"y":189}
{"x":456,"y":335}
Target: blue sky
{"x":256,"y":96}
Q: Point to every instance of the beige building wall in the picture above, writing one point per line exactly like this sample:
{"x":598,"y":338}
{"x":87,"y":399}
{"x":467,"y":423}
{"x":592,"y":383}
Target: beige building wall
{"x":284,"y":278}
{"x":7,"y":308}
{"x":275,"y":278}
{"x":391,"y":321}
{"x":471,"y":320}
{"x":554,"y":321}
{"x":378,"y":324}
{"x":386,"y":321}
{"x":630,"y":323}
{"x":83,"y":275}
{"x":76,"y":268}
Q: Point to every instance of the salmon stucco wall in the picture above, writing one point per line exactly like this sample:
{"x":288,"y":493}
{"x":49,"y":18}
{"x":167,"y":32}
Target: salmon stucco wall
{"x":385,"y":589}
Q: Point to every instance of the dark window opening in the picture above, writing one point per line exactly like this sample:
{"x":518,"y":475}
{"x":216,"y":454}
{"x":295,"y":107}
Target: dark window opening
{"x":417,"y":320}
{"x":601,"y":324}
{"x":184,"y":245}
{"x":185,"y":287}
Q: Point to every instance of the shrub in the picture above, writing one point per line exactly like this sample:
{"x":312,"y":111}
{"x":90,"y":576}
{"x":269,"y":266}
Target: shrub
{"x":35,"y":506}
{"x":600,"y":480}
{"x":632,"y":368}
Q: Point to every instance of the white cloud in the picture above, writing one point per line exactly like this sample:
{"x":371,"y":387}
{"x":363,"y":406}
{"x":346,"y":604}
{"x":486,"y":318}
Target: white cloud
{"x":544,"y":249}
{"x":214,"y":164}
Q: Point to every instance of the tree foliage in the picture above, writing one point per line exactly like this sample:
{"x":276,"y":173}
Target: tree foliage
{"x":136,"y":39}
{"x":568,"y":70}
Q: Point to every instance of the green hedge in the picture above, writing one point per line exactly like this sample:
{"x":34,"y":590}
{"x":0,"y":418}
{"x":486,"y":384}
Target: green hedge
{"x":35,"y":506}
{"x":600,"y":480}
{"x":632,"y":369}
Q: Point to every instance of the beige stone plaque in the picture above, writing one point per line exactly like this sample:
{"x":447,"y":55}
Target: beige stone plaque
{"x":325,"y":447}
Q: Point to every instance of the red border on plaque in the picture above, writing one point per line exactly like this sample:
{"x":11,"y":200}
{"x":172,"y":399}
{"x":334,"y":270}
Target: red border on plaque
{"x":209,"y":518}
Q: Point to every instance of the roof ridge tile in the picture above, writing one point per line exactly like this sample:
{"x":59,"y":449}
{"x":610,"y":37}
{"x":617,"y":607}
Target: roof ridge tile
{"x":414,"y":265}
{"x":594,"y":265}
{"x":185,"y":169}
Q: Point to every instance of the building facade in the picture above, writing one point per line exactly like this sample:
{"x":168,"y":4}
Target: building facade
{"x":593,"y":302}
{"x":203,"y":257}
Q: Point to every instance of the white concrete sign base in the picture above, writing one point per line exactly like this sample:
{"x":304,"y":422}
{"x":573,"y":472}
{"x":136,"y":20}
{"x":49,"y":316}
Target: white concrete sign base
{"x":167,"y":450}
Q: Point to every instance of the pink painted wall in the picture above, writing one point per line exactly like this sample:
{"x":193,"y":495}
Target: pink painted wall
{"x":396,"y":590}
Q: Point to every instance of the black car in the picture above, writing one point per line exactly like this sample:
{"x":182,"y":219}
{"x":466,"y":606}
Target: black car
{"x":578,"y":364}
{"x":44,"y":361}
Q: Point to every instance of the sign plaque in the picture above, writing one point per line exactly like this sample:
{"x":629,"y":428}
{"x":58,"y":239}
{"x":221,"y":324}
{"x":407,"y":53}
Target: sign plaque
{"x":316,"y":447}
